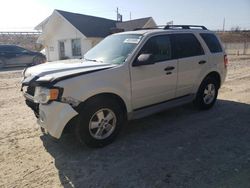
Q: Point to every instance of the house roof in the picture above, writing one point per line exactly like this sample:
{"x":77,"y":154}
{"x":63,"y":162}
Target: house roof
{"x":90,"y":26}
{"x":133,"y":24}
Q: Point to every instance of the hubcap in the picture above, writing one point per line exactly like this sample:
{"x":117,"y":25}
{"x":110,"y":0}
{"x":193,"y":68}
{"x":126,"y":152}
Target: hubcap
{"x":102,"y":124}
{"x":209,"y":94}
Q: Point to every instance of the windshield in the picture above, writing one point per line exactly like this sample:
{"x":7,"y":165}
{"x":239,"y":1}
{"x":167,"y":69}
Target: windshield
{"x":113,"y":49}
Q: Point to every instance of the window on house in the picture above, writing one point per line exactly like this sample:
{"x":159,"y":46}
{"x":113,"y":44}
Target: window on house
{"x":76,"y":47}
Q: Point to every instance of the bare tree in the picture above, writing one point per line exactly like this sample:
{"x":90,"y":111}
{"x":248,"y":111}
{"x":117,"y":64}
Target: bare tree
{"x":236,"y":29}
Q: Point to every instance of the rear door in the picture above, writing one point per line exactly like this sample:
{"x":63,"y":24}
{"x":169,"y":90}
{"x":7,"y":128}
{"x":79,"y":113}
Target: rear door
{"x":154,"y":83}
{"x":192,"y":61}
{"x":217,"y":54}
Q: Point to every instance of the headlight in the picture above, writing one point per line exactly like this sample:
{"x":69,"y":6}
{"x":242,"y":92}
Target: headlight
{"x":44,"y":95}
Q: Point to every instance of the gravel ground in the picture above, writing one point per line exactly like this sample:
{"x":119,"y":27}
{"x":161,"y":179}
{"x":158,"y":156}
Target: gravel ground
{"x":181,"y":147}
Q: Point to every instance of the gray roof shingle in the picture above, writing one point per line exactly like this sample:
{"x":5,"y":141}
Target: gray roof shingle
{"x":90,"y":26}
{"x":133,"y":24}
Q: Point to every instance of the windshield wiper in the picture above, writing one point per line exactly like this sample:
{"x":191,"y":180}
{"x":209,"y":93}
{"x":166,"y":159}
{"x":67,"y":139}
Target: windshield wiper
{"x":94,"y":60}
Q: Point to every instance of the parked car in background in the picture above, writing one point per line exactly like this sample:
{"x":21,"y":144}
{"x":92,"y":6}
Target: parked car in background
{"x":11,"y":55}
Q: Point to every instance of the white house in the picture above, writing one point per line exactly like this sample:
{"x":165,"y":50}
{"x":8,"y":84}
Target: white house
{"x":71,"y":35}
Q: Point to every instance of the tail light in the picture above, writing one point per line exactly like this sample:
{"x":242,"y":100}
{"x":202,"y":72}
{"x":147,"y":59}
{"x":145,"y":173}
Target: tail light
{"x":225,"y":61}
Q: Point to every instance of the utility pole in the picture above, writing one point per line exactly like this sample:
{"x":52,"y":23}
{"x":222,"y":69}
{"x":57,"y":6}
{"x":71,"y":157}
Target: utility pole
{"x":223,"y":28}
{"x":130,"y":15}
{"x":117,"y":14}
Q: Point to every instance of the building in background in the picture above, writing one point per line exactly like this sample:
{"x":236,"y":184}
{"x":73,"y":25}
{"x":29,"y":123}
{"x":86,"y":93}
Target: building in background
{"x":71,"y":35}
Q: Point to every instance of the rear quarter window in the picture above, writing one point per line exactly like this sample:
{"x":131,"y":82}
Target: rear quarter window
{"x":212,"y":42}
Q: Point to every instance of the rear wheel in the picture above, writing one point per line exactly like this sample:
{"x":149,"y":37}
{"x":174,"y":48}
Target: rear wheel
{"x":207,"y":94}
{"x":99,"y":122}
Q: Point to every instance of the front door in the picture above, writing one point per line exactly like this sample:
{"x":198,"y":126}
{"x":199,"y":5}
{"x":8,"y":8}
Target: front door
{"x":61,"y":50}
{"x":154,"y":83}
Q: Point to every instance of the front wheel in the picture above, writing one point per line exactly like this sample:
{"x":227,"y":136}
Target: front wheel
{"x":99,"y":123}
{"x":207,"y":94}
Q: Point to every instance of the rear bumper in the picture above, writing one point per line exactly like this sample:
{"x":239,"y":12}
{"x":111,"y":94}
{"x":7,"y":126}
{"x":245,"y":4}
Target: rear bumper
{"x":54,"y":117}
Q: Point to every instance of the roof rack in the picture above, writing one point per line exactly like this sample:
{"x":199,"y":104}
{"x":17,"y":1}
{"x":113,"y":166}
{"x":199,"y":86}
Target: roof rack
{"x":165,"y":27}
{"x":148,"y":28}
{"x":185,"y":27}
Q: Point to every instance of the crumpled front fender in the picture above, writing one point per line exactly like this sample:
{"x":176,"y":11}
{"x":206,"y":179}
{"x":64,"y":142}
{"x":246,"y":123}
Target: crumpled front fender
{"x":54,"y":117}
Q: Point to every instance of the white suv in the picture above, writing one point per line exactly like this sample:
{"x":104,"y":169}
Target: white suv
{"x":126,"y":76}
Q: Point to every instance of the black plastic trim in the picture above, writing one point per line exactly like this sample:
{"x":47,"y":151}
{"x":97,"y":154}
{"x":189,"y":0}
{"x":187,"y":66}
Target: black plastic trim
{"x":160,"y":102}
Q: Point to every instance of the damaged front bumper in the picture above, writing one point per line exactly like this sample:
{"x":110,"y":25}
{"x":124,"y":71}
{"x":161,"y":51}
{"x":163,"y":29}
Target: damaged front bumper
{"x":54,"y":117}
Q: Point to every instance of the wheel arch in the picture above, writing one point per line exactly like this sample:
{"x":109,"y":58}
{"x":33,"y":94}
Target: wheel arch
{"x":107,"y":95}
{"x":100,"y":96}
{"x":215,"y":75}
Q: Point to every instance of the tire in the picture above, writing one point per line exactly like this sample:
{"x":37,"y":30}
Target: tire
{"x":102,"y":115}
{"x":207,"y":94}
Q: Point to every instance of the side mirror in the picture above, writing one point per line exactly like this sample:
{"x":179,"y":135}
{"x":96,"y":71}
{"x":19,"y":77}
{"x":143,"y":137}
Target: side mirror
{"x":143,"y":59}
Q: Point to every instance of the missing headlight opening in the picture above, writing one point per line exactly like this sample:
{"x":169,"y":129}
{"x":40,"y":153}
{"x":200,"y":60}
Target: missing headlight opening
{"x":71,"y":101}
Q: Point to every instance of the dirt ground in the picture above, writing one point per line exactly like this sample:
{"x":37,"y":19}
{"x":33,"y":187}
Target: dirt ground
{"x":181,"y":147}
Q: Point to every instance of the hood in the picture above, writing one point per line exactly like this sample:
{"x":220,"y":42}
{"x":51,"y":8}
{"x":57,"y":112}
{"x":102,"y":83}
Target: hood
{"x":61,"y":66}
{"x":59,"y":70}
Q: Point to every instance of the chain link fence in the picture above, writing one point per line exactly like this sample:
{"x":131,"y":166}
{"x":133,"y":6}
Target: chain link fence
{"x":240,"y":48}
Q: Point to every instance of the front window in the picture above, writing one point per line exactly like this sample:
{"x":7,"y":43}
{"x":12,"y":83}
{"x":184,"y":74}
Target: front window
{"x":159,"y":47}
{"x":76,"y":47}
{"x":114,"y":49}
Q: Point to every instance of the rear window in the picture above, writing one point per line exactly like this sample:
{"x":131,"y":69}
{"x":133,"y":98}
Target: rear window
{"x":212,"y":42}
{"x":14,"y":49}
{"x":7,"y":48}
{"x":186,"y":45}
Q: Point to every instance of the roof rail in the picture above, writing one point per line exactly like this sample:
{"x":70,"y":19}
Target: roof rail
{"x":185,"y":27}
{"x":148,"y":28}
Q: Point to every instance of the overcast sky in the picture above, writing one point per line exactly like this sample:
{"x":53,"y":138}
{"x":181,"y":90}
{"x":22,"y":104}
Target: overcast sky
{"x":26,"y":14}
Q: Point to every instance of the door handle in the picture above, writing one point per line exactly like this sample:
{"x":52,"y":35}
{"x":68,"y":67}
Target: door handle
{"x":169,"y":68}
{"x":202,"y":62}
